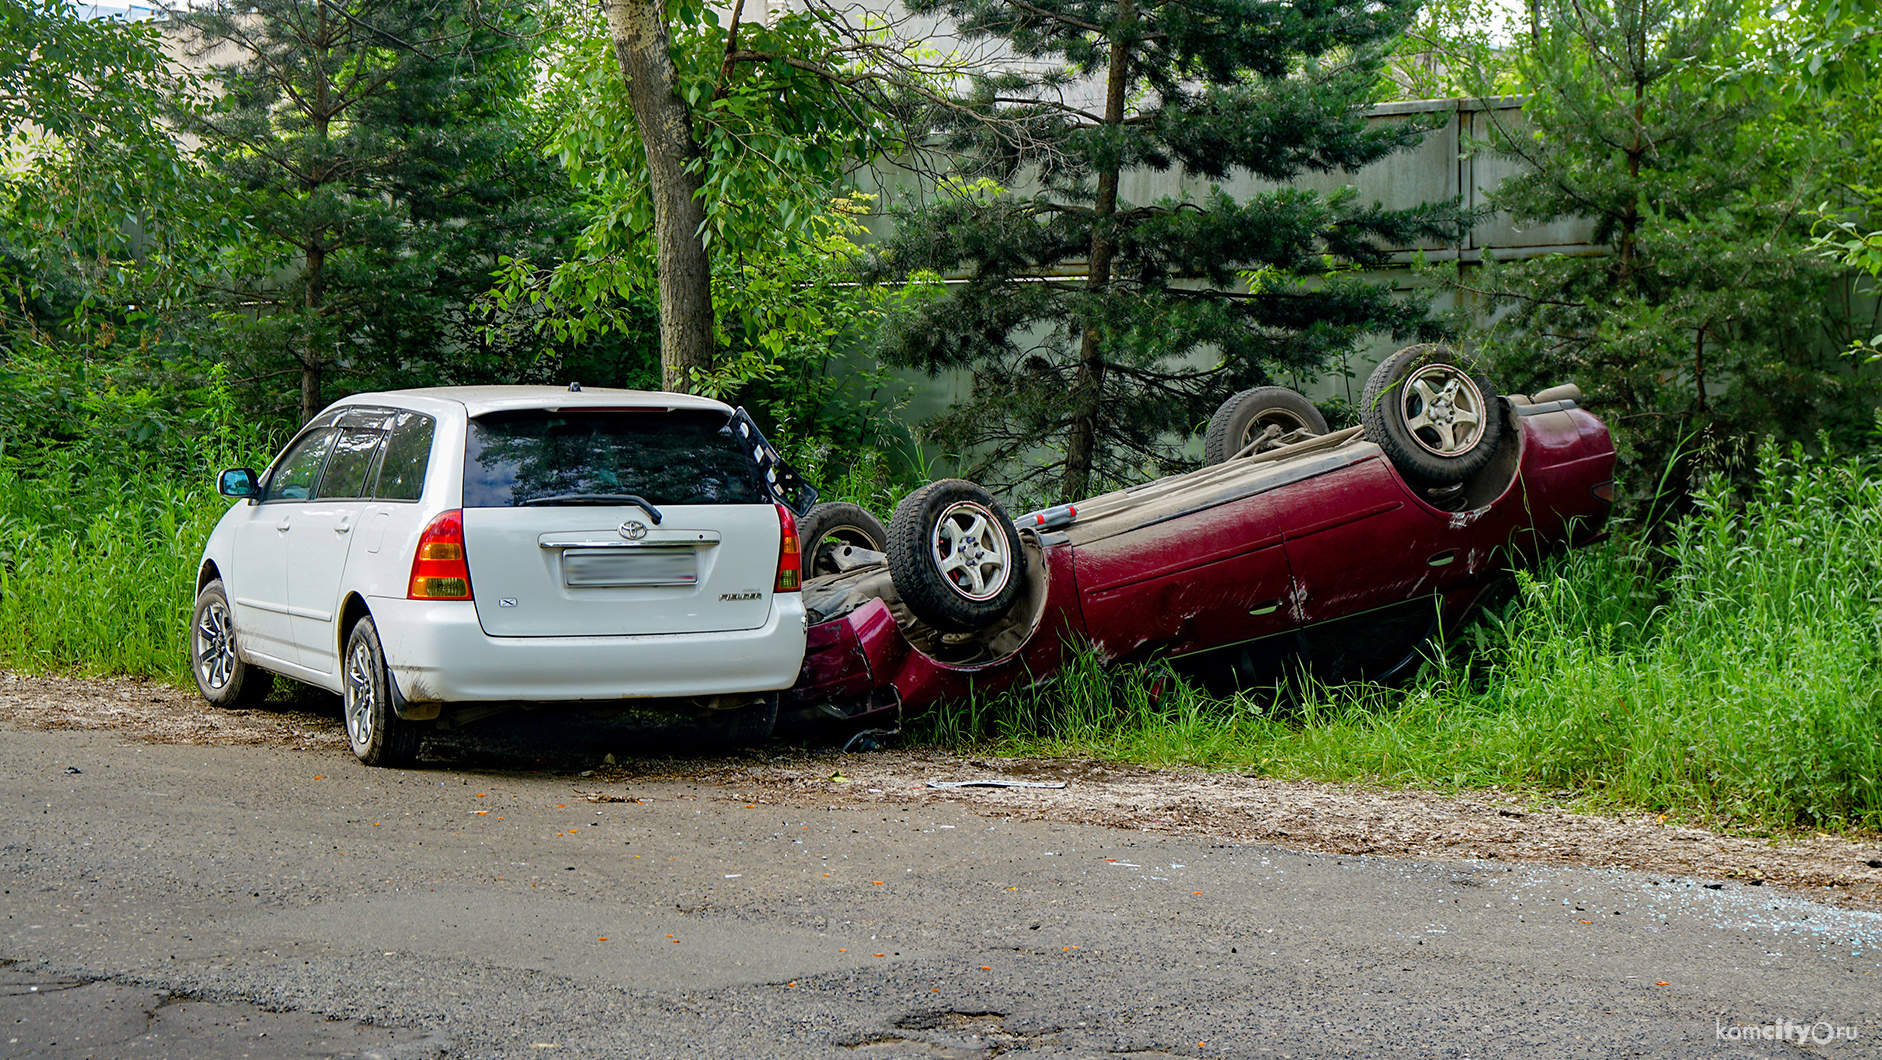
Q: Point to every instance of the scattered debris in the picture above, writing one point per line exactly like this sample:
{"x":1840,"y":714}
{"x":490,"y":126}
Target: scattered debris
{"x":945,"y":784}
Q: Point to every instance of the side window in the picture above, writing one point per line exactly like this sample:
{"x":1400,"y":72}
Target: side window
{"x":408,"y":453}
{"x":351,"y":463}
{"x":294,"y":474}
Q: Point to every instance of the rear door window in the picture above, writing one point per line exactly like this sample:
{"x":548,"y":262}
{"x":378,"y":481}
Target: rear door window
{"x":602,"y":456}
{"x":407,"y":455}
{"x":350,"y":467}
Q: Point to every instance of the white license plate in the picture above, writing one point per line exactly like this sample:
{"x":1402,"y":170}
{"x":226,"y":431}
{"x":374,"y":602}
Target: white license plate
{"x":588,"y":569}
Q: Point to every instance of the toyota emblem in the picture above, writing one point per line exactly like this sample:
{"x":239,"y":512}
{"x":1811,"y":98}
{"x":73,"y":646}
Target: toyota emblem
{"x":633,"y":529}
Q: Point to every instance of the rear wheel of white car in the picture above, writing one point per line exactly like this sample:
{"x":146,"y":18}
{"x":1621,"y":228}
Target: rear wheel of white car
{"x":378,"y":735}
{"x":1433,"y":412}
{"x":1244,"y":418}
{"x":832,"y":525}
{"x":744,"y":726}
{"x":954,"y":556}
{"x":221,"y":675}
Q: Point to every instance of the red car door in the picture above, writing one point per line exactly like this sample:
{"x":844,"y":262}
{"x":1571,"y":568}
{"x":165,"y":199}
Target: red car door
{"x":1357,"y":539}
{"x":1187,"y":578}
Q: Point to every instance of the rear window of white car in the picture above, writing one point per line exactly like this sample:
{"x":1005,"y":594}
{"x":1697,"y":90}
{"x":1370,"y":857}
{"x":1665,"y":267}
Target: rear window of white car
{"x":604,"y":456}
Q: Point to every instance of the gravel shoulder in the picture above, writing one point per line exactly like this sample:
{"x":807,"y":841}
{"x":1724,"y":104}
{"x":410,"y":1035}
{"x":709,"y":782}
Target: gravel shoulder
{"x":1306,"y":816}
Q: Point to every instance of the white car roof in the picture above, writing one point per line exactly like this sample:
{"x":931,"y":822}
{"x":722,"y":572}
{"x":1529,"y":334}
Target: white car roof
{"x":478,"y":400}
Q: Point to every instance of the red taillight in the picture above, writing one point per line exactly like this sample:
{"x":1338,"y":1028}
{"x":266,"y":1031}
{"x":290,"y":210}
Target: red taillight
{"x":439,"y":571}
{"x":1603,"y":491}
{"x":790,"y":558}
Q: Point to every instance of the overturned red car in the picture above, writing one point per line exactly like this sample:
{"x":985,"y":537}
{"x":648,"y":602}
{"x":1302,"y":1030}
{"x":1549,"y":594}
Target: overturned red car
{"x":1340,"y":552}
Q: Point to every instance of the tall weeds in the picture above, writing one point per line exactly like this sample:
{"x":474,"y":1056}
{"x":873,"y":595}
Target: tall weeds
{"x":99,"y":537}
{"x":1753,"y":689}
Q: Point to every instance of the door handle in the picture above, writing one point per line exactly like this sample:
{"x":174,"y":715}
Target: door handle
{"x":343,"y":525}
{"x":282,"y":525}
{"x":1442,"y":559}
{"x":1266,"y":607}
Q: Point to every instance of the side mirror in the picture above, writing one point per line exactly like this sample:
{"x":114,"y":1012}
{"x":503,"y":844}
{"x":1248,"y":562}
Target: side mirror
{"x":238,"y":483}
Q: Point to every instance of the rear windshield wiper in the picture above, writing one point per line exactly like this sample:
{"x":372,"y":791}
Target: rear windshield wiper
{"x":598,"y":498}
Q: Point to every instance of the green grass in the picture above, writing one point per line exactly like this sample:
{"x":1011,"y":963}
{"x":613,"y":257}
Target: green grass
{"x":99,"y":539}
{"x":1732,"y":675}
{"x":97,"y":574}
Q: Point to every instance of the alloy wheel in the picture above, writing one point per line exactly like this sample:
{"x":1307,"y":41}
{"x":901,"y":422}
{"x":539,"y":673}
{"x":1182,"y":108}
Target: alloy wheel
{"x":970,"y":552}
{"x":361,"y":693}
{"x":215,"y":645}
{"x":1444,"y":410}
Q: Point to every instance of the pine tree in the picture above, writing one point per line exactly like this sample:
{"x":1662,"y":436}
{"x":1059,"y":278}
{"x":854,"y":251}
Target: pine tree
{"x":1709,"y":323}
{"x":379,"y":155}
{"x":1180,"y":303}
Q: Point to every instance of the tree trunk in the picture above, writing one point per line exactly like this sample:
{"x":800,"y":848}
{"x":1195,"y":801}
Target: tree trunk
{"x":1630,"y":214}
{"x":1081,"y":448}
{"x":310,"y":385}
{"x":643,"y":48}
{"x":311,"y":357}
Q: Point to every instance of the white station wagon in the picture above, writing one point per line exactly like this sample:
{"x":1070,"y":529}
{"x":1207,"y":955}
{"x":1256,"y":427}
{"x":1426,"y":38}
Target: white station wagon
{"x":438,"y":555}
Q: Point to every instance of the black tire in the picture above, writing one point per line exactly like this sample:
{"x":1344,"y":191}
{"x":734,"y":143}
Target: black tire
{"x":1241,"y":418}
{"x":378,"y":735}
{"x":223,"y":678}
{"x":831,"y":525}
{"x":1432,"y":443}
{"x":934,"y":525}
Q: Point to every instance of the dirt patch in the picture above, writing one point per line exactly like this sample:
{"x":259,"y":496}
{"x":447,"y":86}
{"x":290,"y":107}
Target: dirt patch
{"x":144,"y":710}
{"x":1331,"y":818}
{"x":1334,"y":818}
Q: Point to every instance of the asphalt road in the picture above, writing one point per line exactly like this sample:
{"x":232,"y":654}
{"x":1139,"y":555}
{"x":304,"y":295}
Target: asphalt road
{"x":171,"y":901}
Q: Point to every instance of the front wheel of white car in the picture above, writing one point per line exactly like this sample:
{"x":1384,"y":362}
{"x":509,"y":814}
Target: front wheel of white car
{"x":378,"y":735}
{"x":223,"y":678}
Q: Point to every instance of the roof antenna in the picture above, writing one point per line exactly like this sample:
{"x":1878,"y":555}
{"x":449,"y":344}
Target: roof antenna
{"x":575,"y":388}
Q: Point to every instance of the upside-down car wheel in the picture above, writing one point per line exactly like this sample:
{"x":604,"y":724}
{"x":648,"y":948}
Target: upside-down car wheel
{"x":1242,"y":419}
{"x":833,"y":524}
{"x":954,"y":555}
{"x":1434,"y":414}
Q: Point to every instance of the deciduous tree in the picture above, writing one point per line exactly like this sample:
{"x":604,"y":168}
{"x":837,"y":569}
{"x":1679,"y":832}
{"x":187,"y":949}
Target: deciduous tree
{"x":774,"y":125}
{"x":96,"y":199}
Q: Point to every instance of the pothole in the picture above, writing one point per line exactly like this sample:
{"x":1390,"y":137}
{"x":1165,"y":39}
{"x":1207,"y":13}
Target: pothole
{"x":950,"y":1033}
{"x":950,"y":1020}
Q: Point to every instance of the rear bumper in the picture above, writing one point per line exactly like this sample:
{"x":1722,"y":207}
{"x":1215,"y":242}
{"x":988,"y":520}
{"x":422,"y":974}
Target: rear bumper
{"x":437,"y":652}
